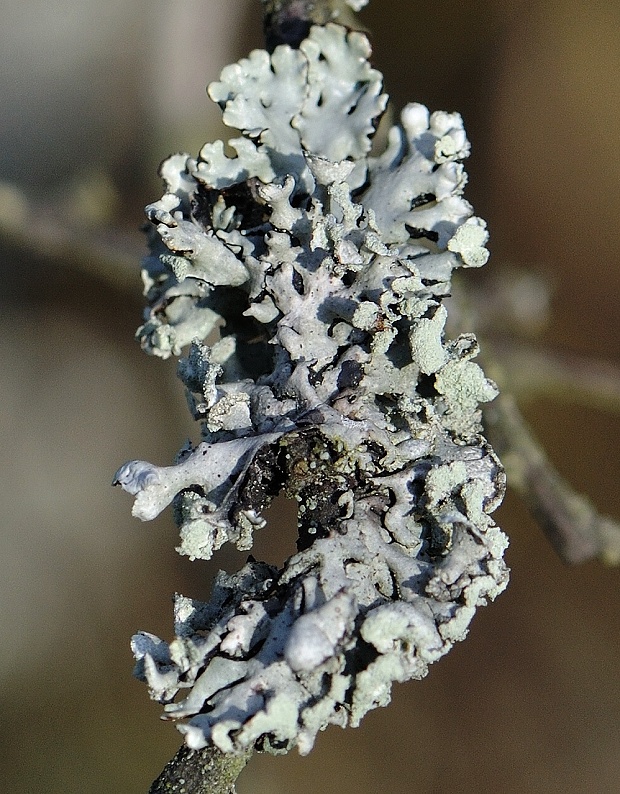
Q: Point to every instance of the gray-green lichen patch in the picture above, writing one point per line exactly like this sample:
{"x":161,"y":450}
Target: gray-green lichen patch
{"x":325,"y":271}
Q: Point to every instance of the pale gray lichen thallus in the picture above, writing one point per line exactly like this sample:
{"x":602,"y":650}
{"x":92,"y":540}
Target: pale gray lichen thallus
{"x":325,"y":270}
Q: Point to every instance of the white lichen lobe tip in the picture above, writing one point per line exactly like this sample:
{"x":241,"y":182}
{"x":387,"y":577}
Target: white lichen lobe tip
{"x":135,"y":476}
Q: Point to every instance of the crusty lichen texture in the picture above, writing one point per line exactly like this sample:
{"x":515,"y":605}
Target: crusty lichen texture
{"x":306,"y":280}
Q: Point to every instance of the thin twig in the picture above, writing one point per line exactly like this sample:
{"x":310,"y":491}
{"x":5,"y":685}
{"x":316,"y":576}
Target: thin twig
{"x":530,"y":371}
{"x":289,"y":21}
{"x":206,"y":771}
{"x":40,"y":231}
{"x":575,"y":529}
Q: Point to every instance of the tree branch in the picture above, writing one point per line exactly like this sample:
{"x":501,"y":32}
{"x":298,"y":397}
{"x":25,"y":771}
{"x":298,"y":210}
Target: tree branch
{"x":529,"y":371}
{"x":575,"y":529}
{"x":43,"y":233}
{"x":206,"y":771}
{"x":289,"y":21}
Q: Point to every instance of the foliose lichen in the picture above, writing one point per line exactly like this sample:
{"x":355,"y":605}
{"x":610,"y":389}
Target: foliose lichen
{"x":306,"y":277}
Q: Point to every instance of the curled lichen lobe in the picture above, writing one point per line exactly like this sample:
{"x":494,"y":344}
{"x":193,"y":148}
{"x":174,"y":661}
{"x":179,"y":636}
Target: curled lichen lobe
{"x":318,"y":273}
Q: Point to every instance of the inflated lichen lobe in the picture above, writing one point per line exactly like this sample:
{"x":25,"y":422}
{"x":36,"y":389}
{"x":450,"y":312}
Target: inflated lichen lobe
{"x":304,"y":281}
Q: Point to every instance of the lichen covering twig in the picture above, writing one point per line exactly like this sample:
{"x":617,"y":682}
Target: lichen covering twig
{"x":323,"y":270}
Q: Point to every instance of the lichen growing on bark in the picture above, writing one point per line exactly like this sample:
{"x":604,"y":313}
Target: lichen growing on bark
{"x":306,"y":278}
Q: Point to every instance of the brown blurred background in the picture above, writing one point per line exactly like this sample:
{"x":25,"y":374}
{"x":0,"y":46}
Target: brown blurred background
{"x":94,"y":95}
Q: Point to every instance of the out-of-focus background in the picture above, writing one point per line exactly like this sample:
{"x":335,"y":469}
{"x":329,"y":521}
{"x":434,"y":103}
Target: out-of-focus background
{"x":94,"y":94}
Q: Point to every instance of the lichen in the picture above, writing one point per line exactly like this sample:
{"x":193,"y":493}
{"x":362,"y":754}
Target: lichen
{"x":323,"y":269}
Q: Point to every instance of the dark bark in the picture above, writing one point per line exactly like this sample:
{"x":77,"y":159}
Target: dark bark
{"x":206,"y":771}
{"x":289,"y":21}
